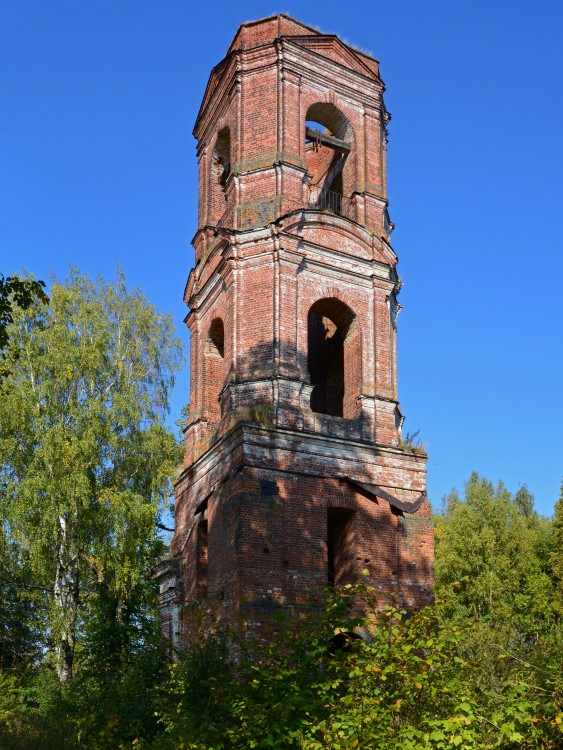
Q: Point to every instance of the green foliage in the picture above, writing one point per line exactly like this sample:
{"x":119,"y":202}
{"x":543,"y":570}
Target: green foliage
{"x":412,"y":442}
{"x":20,"y":601}
{"x":101,"y":709}
{"x":407,"y":685}
{"x":490,"y":560}
{"x":233,"y":691}
{"x":11,"y":703}
{"x":556,"y":552}
{"x":437,"y":679}
{"x":194,"y":699}
{"x":86,"y":460}
{"x":495,"y":577}
{"x":17,"y":293}
{"x":404,"y":687}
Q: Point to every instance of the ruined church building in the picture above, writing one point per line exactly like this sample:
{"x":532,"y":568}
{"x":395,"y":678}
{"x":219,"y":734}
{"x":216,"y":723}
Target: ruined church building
{"x":295,"y":477}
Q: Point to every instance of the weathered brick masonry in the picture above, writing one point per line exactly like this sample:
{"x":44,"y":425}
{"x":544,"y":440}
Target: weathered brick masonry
{"x":295,"y":476}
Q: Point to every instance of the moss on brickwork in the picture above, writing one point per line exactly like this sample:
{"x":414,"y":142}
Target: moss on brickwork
{"x":258,"y":214}
{"x":262,"y":414}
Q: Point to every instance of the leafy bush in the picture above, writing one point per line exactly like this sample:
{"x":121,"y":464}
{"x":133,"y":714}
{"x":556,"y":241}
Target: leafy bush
{"x":314,"y":684}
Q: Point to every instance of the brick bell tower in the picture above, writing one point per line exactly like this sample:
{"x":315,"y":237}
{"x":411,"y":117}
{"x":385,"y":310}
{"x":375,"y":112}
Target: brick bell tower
{"x":295,"y":475}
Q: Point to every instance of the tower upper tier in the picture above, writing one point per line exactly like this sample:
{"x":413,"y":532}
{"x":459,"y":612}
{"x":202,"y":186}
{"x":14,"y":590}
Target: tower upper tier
{"x":292,"y":119}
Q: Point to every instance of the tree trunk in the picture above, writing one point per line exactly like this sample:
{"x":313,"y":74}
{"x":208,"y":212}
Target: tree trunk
{"x":66,"y":600}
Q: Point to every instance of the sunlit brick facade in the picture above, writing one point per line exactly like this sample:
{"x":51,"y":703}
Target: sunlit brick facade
{"x":295,"y":475}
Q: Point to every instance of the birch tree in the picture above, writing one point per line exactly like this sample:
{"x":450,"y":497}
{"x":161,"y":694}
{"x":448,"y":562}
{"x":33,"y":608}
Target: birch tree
{"x":86,"y":459}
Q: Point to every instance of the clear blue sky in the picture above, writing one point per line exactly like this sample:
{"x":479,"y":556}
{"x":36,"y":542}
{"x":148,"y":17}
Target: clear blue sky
{"x":97,"y":167}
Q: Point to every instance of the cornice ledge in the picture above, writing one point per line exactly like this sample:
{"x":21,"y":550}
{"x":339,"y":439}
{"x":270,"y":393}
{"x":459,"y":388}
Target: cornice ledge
{"x":299,"y":217}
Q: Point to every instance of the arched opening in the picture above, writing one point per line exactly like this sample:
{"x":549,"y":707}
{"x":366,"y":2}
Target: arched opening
{"x":328,"y":142}
{"x":216,"y":338}
{"x":222,"y":157}
{"x":334,"y":358}
{"x":214,"y":370}
{"x":219,"y":173}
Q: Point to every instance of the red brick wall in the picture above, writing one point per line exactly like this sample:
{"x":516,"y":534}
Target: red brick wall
{"x":268,"y":544}
{"x":266,"y":476}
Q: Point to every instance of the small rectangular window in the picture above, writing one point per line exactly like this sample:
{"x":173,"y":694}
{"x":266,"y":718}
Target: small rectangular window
{"x":340,"y":546}
{"x":202,"y":560}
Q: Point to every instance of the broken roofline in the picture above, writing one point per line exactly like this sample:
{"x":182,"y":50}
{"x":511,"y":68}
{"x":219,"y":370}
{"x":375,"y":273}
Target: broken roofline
{"x":314,"y":31}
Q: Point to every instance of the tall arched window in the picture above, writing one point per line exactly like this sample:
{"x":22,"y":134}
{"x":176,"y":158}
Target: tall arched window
{"x":214,"y":370}
{"x":328,"y":142}
{"x":334,"y":358}
{"x":219,"y":175}
{"x":222,"y":156}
